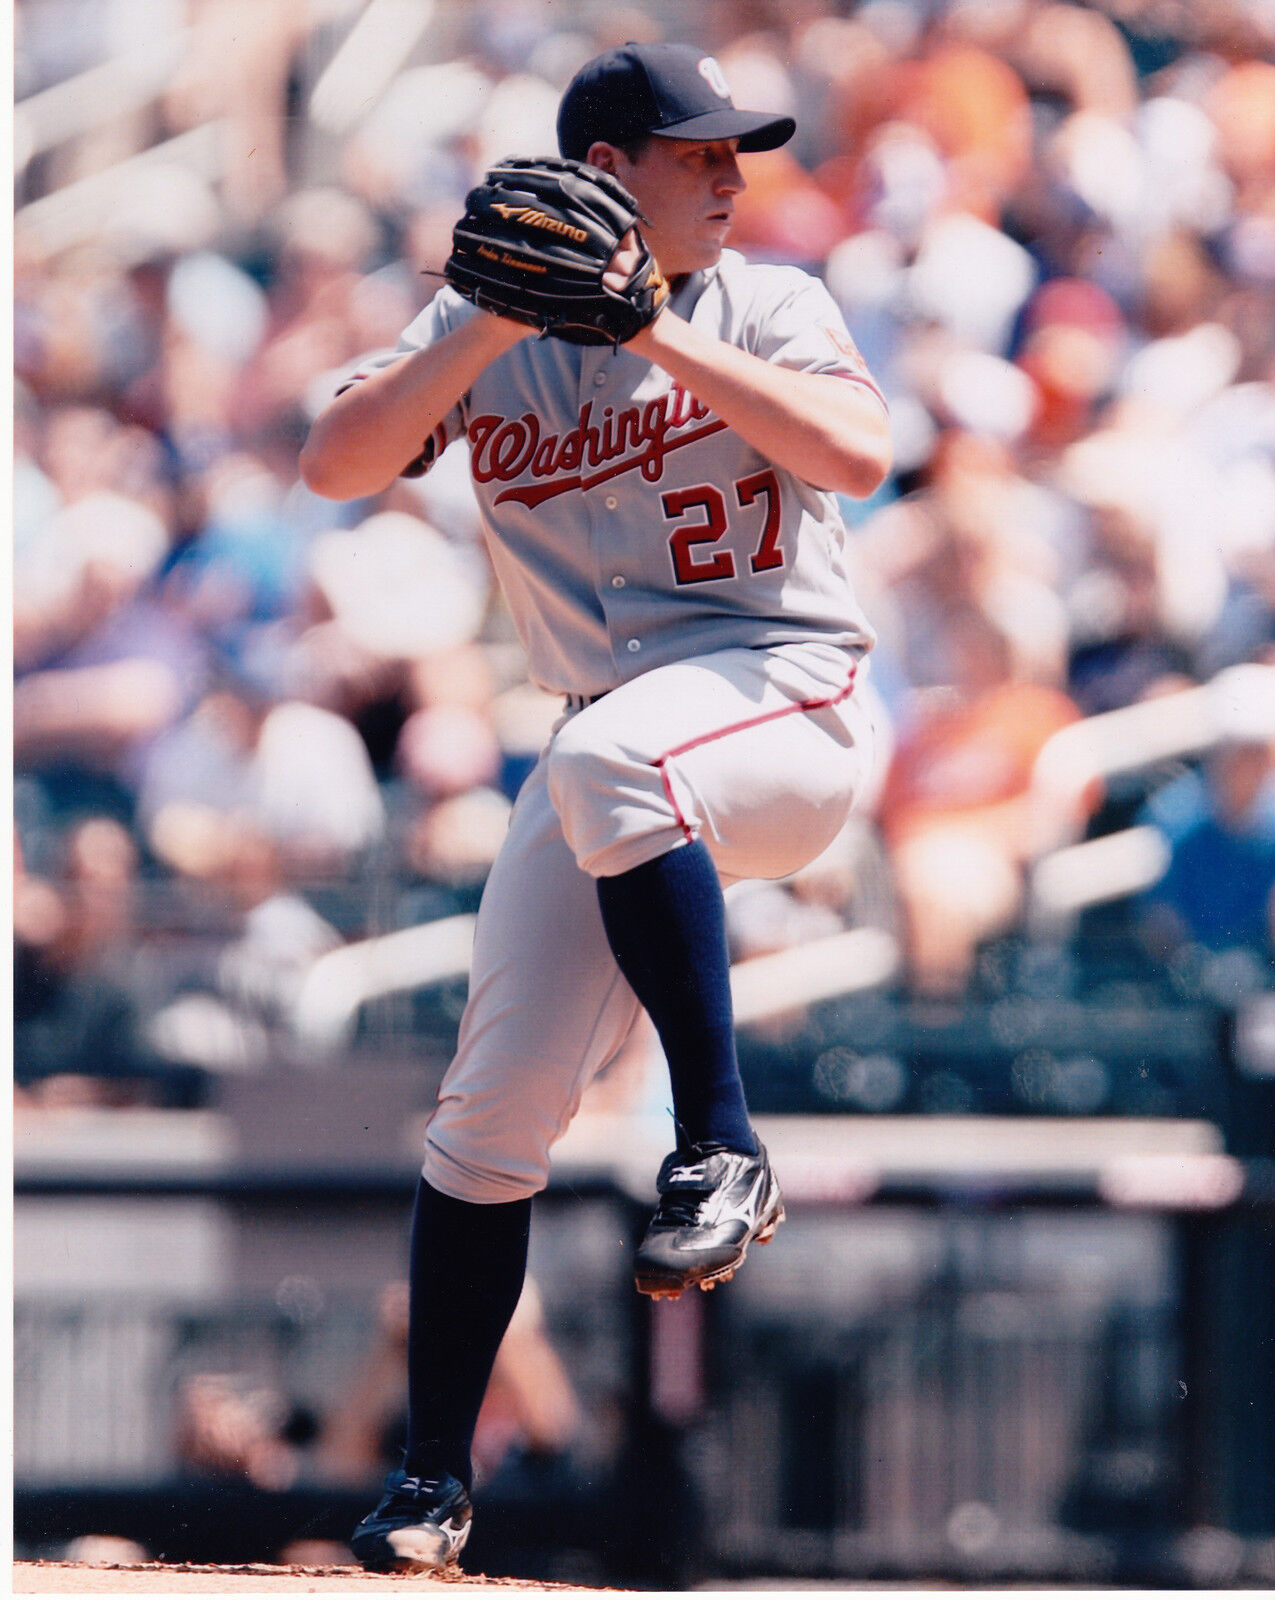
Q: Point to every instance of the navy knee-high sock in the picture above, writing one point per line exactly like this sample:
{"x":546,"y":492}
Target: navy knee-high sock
{"x":666,"y":924}
{"x":468,"y":1263}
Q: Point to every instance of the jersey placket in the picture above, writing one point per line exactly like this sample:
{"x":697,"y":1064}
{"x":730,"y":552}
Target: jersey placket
{"x":612,"y":534}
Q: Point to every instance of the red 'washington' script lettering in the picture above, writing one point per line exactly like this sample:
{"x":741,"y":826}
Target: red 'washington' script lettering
{"x":507,"y":448}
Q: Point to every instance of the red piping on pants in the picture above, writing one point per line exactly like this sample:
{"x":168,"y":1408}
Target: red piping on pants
{"x":738,"y":727}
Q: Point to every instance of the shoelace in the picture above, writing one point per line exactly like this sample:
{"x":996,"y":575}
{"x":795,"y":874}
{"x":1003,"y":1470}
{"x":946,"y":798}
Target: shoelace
{"x":407,"y":1493}
{"x":682,"y":1208}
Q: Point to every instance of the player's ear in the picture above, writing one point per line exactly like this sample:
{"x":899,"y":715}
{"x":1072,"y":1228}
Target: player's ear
{"x":600,"y":154}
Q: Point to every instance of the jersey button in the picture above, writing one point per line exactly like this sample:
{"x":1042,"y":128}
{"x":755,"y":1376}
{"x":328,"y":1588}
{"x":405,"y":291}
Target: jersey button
{"x":611,"y":502}
{"x":618,"y":582}
{"x":599,"y":378}
{"x":635,"y":645}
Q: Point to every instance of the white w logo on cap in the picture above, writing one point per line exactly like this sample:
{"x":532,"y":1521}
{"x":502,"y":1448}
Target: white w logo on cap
{"x":714,"y":77}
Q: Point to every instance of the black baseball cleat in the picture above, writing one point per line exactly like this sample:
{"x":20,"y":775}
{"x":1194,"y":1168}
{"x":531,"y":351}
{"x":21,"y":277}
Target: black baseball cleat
{"x":420,"y":1525}
{"x":713,"y":1203}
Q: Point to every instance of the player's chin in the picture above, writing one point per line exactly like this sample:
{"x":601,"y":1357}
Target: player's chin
{"x":709,"y":250}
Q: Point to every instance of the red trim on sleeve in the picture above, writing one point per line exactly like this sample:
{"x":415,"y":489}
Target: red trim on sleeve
{"x":856,"y":377}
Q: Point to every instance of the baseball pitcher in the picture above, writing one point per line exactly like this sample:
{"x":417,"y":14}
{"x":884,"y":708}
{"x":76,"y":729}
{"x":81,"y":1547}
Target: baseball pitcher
{"x":658,"y":432}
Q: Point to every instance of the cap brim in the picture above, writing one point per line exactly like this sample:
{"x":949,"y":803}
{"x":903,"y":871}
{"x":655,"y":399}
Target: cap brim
{"x":755,"y":130}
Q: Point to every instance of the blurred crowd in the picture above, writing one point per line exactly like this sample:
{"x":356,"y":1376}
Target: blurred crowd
{"x":252,"y":725}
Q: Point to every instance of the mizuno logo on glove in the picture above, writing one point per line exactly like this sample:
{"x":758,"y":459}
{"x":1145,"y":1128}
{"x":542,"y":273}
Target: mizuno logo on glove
{"x":538,"y":219}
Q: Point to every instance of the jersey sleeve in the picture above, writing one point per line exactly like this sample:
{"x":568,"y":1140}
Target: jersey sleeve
{"x":441,"y":316}
{"x":798,"y":324}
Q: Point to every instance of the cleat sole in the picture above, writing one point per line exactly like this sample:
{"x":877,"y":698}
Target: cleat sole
{"x":768,"y":1232}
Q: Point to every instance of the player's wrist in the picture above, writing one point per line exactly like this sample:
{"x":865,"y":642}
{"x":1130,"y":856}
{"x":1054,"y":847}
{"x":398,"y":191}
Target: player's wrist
{"x":502,"y":333}
{"x":657,"y":335}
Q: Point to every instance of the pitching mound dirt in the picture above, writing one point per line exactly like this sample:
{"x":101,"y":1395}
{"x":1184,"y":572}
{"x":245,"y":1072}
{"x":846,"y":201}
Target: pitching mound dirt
{"x":159,"y":1578}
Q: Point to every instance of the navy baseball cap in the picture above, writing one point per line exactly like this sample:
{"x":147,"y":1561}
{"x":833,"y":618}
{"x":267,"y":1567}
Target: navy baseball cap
{"x":674,"y":91}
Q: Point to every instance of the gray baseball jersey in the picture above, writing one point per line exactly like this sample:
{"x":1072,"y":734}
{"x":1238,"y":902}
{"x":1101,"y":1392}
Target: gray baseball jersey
{"x":628,"y":527}
{"x":653,"y":559}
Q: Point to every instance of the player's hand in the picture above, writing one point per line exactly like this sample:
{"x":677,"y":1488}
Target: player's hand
{"x":624,"y":262}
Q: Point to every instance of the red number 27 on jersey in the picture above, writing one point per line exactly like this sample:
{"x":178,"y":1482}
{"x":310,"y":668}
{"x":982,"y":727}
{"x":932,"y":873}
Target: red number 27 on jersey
{"x":688,"y":567}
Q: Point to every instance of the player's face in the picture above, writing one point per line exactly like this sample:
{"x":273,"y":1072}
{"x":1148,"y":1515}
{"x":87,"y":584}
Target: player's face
{"x":687,"y":189}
